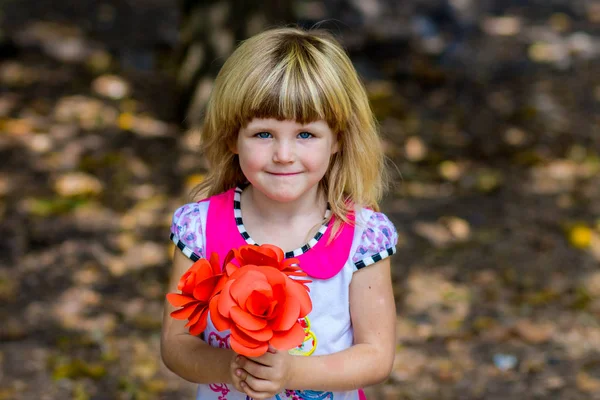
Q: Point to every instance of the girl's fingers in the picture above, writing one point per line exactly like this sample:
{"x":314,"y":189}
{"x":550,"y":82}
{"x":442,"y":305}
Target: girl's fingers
{"x":259,"y":385}
{"x":258,"y":370}
{"x":246,"y":388}
{"x":241,"y":374}
{"x":237,"y":383}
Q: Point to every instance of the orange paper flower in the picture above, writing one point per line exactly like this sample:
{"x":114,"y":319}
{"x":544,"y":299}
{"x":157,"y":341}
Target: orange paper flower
{"x":265,"y":254}
{"x":197,"y":285}
{"x":261,"y":305}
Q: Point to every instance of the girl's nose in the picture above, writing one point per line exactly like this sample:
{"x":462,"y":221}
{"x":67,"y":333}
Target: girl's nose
{"x":284,"y":152}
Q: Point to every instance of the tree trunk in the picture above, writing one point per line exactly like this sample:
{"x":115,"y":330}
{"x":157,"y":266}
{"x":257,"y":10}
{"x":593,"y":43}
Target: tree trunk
{"x":210,"y":31}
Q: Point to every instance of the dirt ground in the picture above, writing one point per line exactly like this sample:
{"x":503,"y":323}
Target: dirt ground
{"x":496,"y":200}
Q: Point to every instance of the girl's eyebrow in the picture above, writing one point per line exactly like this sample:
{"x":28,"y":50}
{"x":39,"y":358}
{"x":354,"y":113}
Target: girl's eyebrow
{"x":267,"y":127}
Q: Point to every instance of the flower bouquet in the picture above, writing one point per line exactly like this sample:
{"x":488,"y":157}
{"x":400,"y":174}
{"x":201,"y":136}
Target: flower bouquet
{"x":252,"y":295}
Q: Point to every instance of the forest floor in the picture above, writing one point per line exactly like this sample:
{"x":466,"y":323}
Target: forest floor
{"x":496,"y":275}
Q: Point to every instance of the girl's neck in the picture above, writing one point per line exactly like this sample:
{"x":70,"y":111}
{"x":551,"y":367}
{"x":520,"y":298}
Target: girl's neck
{"x":312,"y":205}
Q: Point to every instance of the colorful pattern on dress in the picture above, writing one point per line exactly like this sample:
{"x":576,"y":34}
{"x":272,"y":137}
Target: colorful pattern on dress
{"x":306,"y":395}
{"x":222,"y":342}
{"x":187,"y":228}
{"x":217,"y":341}
{"x":378,"y":237}
{"x":220,"y":388}
{"x":309,"y":345}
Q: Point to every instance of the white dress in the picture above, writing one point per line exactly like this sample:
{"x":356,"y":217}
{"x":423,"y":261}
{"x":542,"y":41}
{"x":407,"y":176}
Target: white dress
{"x":328,"y":327}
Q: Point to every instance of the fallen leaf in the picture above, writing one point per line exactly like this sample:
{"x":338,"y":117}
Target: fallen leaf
{"x":78,"y":184}
{"x":111,"y":86}
{"x":532,"y":332}
{"x":587,"y":383}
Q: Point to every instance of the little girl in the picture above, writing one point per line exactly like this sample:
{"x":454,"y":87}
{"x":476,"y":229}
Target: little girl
{"x":296,"y":161}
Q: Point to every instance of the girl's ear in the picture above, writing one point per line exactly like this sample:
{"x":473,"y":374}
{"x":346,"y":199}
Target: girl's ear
{"x":335,"y":146}
{"x":233,"y":146}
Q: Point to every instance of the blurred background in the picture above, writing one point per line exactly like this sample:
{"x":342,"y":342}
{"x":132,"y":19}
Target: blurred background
{"x":490,"y":114}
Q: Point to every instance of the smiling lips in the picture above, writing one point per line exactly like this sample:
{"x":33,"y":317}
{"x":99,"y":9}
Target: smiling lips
{"x":284,"y":174}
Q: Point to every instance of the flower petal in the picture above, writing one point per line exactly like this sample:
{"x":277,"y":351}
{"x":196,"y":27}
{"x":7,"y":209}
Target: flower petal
{"x":219,"y":285}
{"x":185,"y":312}
{"x":259,"y":256}
{"x":204,"y":289}
{"x":289,"y":339}
{"x":303,"y":282}
{"x":179,"y":300}
{"x":271,"y":312}
{"x":243,"y":287}
{"x":245,"y":339}
{"x":279,"y":293}
{"x":230,"y":268}
{"x":226,"y":302}
{"x":198,"y":272}
{"x":239,"y":272}
{"x":195,"y":317}
{"x":289,"y":312}
{"x":186,"y":283}
{"x":299,"y":292}
{"x":246,"y":351}
{"x":273,"y":275}
{"x":258,"y":304}
{"x":220,"y":323}
{"x":276,"y":250}
{"x":202,"y":269}
{"x":262,"y":335}
{"x":230,"y":256}
{"x":200,"y":325}
{"x":214,"y":263}
{"x":246,"y":320}
{"x":290,"y":262}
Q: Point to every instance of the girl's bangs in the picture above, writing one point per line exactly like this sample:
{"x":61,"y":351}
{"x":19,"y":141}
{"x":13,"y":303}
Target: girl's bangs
{"x":293,"y":94}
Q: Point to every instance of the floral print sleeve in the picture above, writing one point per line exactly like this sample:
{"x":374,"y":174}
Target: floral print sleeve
{"x":378,"y":241}
{"x":186,"y":231}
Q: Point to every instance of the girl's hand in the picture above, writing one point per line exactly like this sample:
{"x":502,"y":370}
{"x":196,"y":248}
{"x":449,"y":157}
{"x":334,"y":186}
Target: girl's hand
{"x":267,"y":375}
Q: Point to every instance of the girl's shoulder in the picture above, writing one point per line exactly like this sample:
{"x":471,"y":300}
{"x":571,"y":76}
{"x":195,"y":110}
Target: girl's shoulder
{"x":377,"y":238}
{"x":187,"y":228}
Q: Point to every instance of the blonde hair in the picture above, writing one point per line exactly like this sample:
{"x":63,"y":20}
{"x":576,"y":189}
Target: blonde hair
{"x":292,"y":74}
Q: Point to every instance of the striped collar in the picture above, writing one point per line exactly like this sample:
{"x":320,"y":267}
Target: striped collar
{"x":295,"y":253}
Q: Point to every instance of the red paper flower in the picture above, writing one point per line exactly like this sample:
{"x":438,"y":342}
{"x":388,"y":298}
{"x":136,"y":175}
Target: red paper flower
{"x":265,"y":254}
{"x":197,"y":285}
{"x":261,"y":305}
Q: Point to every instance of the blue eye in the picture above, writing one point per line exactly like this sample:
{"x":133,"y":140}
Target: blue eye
{"x":263,"y":135}
{"x":305,"y":135}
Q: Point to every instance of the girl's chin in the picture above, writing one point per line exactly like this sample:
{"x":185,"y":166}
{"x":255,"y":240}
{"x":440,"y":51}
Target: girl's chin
{"x":286,"y":194}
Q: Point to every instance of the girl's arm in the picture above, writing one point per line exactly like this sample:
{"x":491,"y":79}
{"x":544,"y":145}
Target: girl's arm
{"x":367,"y":362}
{"x":189,"y":356}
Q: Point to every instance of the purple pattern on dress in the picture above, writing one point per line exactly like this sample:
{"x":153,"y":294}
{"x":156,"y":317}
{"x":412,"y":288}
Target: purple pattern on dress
{"x":220,"y":388}
{"x":187,"y":227}
{"x":217,"y":341}
{"x":379,"y":235}
{"x":291,"y":394}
